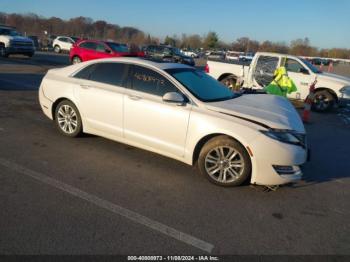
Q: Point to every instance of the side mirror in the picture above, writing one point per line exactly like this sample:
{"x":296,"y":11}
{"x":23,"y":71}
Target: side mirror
{"x":175,"y":98}
{"x":304,"y":71}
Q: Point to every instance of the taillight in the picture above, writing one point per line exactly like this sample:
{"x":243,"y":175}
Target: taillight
{"x":206,"y":69}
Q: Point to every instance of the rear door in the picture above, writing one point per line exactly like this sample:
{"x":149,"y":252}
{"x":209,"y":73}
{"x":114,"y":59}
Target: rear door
{"x":100,"y":95}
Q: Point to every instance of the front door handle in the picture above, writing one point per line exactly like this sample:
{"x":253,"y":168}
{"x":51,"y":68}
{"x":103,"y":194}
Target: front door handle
{"x":135,"y":98}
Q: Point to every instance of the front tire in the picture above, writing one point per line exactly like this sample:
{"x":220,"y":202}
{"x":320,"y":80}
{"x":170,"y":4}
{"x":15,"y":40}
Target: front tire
{"x":68,"y":120}
{"x":323,"y":101}
{"x":224,"y":162}
{"x":3,"y":51}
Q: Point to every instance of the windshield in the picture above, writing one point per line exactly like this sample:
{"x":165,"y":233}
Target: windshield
{"x":313,"y":68}
{"x":121,"y":48}
{"x":201,"y":85}
{"x":7,"y":31}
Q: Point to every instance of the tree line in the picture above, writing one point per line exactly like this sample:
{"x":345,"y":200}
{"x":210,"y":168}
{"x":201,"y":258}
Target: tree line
{"x":85,"y":27}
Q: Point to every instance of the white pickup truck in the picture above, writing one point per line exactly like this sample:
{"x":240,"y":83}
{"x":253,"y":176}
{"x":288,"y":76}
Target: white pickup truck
{"x":11,"y":42}
{"x":331,"y":89}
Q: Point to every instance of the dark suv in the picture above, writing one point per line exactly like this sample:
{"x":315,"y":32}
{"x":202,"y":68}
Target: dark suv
{"x":167,"y":54}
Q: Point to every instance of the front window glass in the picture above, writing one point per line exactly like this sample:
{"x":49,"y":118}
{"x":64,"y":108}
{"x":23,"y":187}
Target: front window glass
{"x":101,"y":48}
{"x":201,"y":85}
{"x":151,"y":82}
{"x":120,"y":48}
{"x":88,"y":45}
{"x":264,"y":69}
{"x":293,"y":66}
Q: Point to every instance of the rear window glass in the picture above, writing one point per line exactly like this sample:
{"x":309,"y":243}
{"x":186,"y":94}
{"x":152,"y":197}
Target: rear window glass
{"x":107,"y":73}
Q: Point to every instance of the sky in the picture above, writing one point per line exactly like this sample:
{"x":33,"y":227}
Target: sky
{"x":325,"y":22}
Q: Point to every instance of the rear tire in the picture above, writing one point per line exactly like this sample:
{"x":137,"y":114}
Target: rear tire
{"x":76,"y":60}
{"x":57,"y":49}
{"x":224,"y":162}
{"x":323,"y":101}
{"x":68,"y":119}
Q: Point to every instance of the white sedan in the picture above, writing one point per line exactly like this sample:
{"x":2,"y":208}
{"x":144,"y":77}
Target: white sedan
{"x":182,"y":113}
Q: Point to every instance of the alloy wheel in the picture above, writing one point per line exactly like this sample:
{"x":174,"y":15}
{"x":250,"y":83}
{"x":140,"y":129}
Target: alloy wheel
{"x":224,"y":164}
{"x":67,"y":119}
{"x":321,"y":102}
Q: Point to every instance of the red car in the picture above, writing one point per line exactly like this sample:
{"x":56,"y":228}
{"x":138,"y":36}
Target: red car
{"x":86,"y":50}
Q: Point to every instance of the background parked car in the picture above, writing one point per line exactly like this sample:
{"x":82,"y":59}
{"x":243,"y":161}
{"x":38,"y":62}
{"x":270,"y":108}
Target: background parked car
{"x":12,"y":42}
{"x":216,"y":55}
{"x":248,"y":57}
{"x":168,"y":54}
{"x":232,"y":56}
{"x":63,"y":43}
{"x":190,"y":53}
{"x":86,"y":50}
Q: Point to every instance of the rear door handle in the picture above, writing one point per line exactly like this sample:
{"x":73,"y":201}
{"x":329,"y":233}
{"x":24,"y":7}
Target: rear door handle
{"x":135,"y":98}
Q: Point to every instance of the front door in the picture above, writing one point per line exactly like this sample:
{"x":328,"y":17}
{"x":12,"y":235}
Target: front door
{"x":300,"y":76}
{"x":150,"y":121}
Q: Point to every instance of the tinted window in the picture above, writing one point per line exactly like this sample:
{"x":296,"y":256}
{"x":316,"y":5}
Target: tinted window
{"x":264,"y":69}
{"x":201,"y":85}
{"x":101,"y":48}
{"x":148,"y":81}
{"x":85,"y":72}
{"x":293,"y":66}
{"x":88,"y":45}
{"x":108,"y":73}
{"x":118,"y":47}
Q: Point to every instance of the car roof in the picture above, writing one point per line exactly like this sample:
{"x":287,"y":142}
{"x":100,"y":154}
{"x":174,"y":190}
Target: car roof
{"x":142,"y":61}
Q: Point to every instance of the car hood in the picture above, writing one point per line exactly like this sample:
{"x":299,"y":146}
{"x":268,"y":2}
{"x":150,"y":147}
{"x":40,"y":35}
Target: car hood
{"x":20,"y":38}
{"x":266,"y":110}
{"x":341,"y":80}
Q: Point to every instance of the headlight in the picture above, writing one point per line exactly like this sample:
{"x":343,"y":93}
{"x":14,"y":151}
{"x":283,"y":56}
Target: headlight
{"x":345,"y":90}
{"x":286,"y":136}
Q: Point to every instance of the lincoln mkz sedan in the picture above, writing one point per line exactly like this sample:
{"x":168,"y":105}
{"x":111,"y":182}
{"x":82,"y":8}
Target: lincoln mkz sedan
{"x":180,"y":112}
